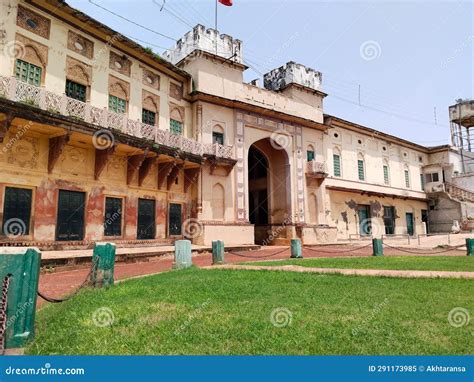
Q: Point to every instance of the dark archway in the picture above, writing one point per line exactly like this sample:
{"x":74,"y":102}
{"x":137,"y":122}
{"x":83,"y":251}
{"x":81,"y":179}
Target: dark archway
{"x":258,"y":187}
{"x":269,"y":191}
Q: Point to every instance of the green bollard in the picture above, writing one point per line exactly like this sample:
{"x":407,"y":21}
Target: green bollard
{"x":22,"y":265}
{"x":470,"y":247}
{"x":377,"y":247}
{"x":104,"y":258}
{"x":182,"y":254}
{"x":217,"y":252}
{"x":296,"y":249}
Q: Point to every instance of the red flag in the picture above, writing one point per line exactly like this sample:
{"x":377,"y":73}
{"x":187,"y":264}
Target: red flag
{"x":226,"y":2}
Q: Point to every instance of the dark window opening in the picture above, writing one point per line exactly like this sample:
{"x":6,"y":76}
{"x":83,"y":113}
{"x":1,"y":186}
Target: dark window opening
{"x":217,"y":137}
{"x":16,"y":211}
{"x":76,"y":91}
{"x":113,"y":217}
{"x":148,"y":117}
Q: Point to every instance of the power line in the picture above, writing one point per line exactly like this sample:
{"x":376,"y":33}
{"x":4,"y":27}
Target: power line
{"x":133,"y":22}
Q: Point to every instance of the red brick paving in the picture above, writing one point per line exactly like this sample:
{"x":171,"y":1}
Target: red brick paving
{"x":58,"y":284}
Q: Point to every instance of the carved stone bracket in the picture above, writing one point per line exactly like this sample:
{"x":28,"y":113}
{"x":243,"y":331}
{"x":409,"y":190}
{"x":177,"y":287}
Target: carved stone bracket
{"x":56,"y":147}
{"x":134,"y":163}
{"x":227,"y":165}
{"x":5,"y":125}
{"x":101,"y":158}
{"x":173,"y":174}
{"x":145,"y":169}
{"x":190,"y":176}
{"x":164,"y":169}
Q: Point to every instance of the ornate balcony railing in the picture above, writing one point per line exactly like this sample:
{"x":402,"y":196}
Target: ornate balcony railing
{"x":18,"y":91}
{"x":316,"y":169}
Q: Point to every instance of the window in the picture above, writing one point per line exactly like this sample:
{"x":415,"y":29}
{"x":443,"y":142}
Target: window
{"x":407,"y":179}
{"x":360,"y":169}
{"x":337,"y":164}
{"x":422,"y":182}
{"x":176,"y":127}
{"x":76,"y":91}
{"x":310,"y":155}
{"x":386,"y":178}
{"x":148,"y":117}
{"x":432,"y":177}
{"x":16,"y":211}
{"x":113,"y":217}
{"x":117,"y":105}
{"x":29,"y":73}
{"x":389,"y":220}
{"x":217,"y":137}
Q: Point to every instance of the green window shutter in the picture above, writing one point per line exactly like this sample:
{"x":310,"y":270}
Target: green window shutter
{"x":217,"y":137}
{"x":76,"y":91}
{"x":360,"y":169}
{"x":310,"y":155}
{"x":407,"y":179}
{"x":117,"y":105}
{"x":385,"y":175}
{"x":176,"y":127}
{"x":148,"y":117}
{"x":337,"y":165}
{"x":29,"y":73}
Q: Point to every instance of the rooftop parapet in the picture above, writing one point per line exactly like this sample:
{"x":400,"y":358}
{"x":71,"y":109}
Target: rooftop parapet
{"x":205,"y":40}
{"x":292,"y":73}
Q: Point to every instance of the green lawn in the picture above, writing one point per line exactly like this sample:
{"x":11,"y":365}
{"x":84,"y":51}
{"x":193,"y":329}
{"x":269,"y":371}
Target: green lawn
{"x":418,"y":263}
{"x":228,"y":312}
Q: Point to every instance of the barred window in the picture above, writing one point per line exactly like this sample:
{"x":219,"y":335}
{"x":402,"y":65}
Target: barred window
{"x":117,"y":105}
{"x":176,"y":127}
{"x":148,"y":117}
{"x":337,"y":164}
{"x":29,"y":73}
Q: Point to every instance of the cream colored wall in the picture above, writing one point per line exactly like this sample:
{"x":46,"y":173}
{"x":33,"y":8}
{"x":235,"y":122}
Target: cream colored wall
{"x":55,"y":78}
{"x":219,"y":79}
{"x":371,"y":148}
{"x":344,"y":203}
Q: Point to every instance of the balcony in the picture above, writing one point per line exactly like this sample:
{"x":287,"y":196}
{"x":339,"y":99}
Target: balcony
{"x":316,"y":170}
{"x":14,"y":90}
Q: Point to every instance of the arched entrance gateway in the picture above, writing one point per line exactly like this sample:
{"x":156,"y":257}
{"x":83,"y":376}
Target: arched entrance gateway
{"x":269,"y":192}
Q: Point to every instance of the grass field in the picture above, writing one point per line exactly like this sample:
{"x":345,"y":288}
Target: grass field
{"x":413,"y":263}
{"x":230,"y":312}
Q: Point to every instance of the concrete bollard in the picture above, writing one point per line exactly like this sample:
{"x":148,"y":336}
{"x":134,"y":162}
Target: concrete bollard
{"x":296,"y":249}
{"x":182,"y":254}
{"x":470,"y":247}
{"x":104,"y":258}
{"x":21,"y":266}
{"x":377,"y":247}
{"x":217,"y":252}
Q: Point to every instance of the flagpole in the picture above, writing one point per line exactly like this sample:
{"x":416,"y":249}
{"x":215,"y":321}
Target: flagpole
{"x":216,"y":27}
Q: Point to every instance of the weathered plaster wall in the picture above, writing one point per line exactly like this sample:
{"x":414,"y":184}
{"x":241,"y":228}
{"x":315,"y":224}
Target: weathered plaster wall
{"x":343,"y":213}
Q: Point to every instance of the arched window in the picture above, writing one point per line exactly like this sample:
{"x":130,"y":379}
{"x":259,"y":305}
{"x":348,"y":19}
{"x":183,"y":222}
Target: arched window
{"x":386,"y":172}
{"x":218,"y":134}
{"x":176,"y":121}
{"x":150,"y":107}
{"x":361,"y":166}
{"x":118,"y":95}
{"x":310,"y":153}
{"x":218,"y":202}
{"x":407,"y":176}
{"x":337,"y":163}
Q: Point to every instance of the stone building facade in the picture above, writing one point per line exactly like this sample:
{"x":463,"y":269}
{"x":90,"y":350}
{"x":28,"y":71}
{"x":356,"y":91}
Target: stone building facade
{"x":103,"y":140}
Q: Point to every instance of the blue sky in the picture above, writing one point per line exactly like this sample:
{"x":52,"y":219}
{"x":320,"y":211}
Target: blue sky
{"x":407,"y":57}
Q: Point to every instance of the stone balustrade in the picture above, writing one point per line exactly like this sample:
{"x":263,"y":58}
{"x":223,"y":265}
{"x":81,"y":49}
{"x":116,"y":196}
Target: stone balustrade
{"x":18,"y":91}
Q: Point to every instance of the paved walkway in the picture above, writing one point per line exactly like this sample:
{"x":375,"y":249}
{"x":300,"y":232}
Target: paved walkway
{"x":351,"y":272}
